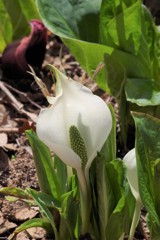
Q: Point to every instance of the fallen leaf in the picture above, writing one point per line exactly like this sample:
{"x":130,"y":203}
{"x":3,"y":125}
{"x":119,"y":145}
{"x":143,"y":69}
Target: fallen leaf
{"x":11,"y":146}
{"x":36,"y":232}
{"x":25,"y":213}
{"x":3,"y":139}
{"x":6,"y":225}
{"x":22,"y":235}
{"x":4,"y":160}
{"x":3,"y":115}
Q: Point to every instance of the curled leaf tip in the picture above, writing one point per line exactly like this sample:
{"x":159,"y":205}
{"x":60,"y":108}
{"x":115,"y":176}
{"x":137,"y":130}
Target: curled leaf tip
{"x":39,"y":82}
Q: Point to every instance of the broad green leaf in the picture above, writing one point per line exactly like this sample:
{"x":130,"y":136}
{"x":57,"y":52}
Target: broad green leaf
{"x":116,"y":221}
{"x":125,"y":65}
{"x":104,"y":195}
{"x":94,"y":202}
{"x":109,"y":148}
{"x":107,"y":192}
{"x":115,"y":168}
{"x":70,"y":205}
{"x":61,"y":171}
{"x":47,"y":177}
{"x":156,"y":185}
{"x":78,"y":25}
{"x":153,"y":228}
{"x":5,"y":27}
{"x":119,"y":217}
{"x":44,"y":210}
{"x":29,"y":10}
{"x":65,"y":229}
{"x":35,"y":222}
{"x":139,"y":71}
{"x":90,"y":55}
{"x":47,"y":199}
{"x":15,"y":192}
{"x":123,"y":202}
{"x":147,"y":154}
{"x":143,"y":92}
{"x":17,"y":18}
{"x":127,"y":38}
{"x":73,"y":19}
{"x":116,"y":30}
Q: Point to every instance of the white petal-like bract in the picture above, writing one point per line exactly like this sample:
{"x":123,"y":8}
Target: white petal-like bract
{"x":74,"y":105}
{"x":131,"y":164}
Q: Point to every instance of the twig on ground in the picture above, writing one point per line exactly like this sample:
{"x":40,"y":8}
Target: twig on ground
{"x":9,"y":130}
{"x":16,"y":104}
{"x":22,"y":94}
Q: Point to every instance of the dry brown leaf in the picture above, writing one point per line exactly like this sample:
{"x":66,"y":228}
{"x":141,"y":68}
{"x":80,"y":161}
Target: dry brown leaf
{"x":25,"y":213}
{"x":6,"y":225}
{"x":3,"y":115}
{"x":4,"y":160}
{"x":36,"y":232}
{"x":3,"y":139}
{"x":11,"y":146}
{"x":21,"y":236}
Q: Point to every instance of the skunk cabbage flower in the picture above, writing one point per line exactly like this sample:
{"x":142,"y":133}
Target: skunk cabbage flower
{"x":76,"y":124}
{"x":130,"y":162}
{"x":132,"y":176}
{"x":28,"y":50}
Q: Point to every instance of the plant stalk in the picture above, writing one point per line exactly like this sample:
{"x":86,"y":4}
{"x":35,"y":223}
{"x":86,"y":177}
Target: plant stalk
{"x":84,"y":201}
{"x":135,"y":219}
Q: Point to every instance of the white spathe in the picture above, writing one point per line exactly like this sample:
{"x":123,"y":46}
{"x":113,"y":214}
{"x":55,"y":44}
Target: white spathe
{"x":132,"y":176}
{"x":74,"y":104}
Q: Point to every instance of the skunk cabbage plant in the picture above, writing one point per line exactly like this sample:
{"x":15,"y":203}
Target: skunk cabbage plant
{"x":132,"y":176}
{"x":75,"y":126}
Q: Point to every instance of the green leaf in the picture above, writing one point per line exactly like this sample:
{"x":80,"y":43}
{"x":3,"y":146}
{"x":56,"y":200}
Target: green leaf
{"x":116,"y":221}
{"x":109,"y":148}
{"x":104,"y":195}
{"x":85,"y":53}
{"x":127,"y":66}
{"x":61,"y":172}
{"x":143,"y":92}
{"x":14,"y":10}
{"x":153,"y":228}
{"x":122,"y":202}
{"x":116,"y":19}
{"x":147,"y":155}
{"x":156,"y":185}
{"x":94,"y":202}
{"x":126,"y":37}
{"x":35,"y":222}
{"x":70,"y":205}
{"x":78,"y":25}
{"x":65,"y":229}
{"x":30,"y":10}
{"x":5,"y":27}
{"x":44,"y":209}
{"x":47,"y":177}
{"x":15,"y":192}
{"x":73,"y":19}
{"x":115,"y":168}
{"x":47,"y":199}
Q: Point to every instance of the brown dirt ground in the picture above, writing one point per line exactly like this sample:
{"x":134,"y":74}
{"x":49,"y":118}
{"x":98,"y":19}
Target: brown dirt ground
{"x":16,"y":161}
